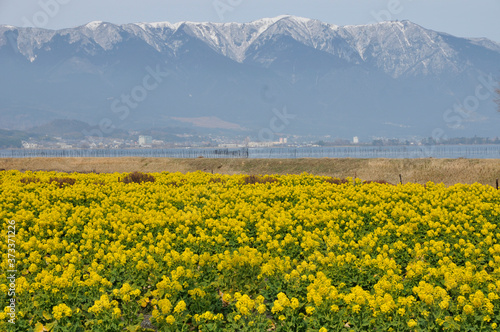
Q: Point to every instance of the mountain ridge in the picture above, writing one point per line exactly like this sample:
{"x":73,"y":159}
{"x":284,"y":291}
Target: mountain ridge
{"x":218,"y":36}
{"x":389,"y":72}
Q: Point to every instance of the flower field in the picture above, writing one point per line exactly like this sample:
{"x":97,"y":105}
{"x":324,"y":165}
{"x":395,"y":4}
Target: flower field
{"x":203,"y":252}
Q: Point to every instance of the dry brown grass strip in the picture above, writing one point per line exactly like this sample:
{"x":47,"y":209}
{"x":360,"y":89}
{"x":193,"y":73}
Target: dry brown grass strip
{"x":336,"y":180}
{"x":63,"y":181}
{"x":138,"y":177}
{"x":447,"y":171}
{"x":253,"y":179}
{"x":29,"y":180}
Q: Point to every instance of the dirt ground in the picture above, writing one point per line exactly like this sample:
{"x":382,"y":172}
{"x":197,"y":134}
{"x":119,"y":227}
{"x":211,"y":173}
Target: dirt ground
{"x":447,"y":171}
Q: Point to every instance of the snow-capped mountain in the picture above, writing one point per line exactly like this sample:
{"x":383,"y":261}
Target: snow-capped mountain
{"x":370,"y":75}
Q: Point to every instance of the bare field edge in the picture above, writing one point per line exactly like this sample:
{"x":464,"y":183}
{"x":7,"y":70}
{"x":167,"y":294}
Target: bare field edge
{"x":447,"y":171}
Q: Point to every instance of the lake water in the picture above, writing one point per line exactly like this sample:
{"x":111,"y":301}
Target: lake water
{"x":434,"y":151}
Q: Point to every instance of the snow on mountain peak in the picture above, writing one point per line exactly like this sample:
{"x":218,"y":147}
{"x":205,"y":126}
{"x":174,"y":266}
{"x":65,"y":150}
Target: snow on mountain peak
{"x":272,"y":20}
{"x":94,"y":25}
{"x":397,"y":47}
{"x":156,"y":25}
{"x":269,"y":20}
{"x":233,"y":39}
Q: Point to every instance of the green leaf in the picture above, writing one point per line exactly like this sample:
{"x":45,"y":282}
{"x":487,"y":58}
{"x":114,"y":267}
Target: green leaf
{"x":50,"y":326}
{"x":39,"y":327}
{"x":133,"y":328}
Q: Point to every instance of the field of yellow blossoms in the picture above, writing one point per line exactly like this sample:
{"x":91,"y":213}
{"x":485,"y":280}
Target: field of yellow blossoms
{"x":203,"y":252}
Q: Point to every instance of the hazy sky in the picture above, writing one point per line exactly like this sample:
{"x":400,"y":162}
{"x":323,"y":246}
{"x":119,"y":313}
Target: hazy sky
{"x":465,"y":18}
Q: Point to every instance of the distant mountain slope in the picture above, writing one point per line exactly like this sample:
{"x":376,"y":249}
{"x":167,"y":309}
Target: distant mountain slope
{"x":386,"y":79}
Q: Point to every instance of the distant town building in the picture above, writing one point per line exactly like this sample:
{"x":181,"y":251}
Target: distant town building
{"x":28,"y":145}
{"x":158,"y":142}
{"x":145,"y":140}
{"x":230,"y":145}
{"x":62,"y":145}
{"x":261,"y":144}
{"x":355,"y":140}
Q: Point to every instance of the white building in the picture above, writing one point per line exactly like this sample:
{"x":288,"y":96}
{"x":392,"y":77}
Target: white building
{"x":355,"y":140}
{"x":261,"y":144}
{"x":28,"y":145}
{"x":63,"y":145}
{"x":145,"y":140}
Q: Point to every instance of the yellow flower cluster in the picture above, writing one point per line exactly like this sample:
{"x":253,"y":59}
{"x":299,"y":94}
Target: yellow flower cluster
{"x":208,"y":316}
{"x":212,"y":252}
{"x":61,"y":310}
{"x":126,"y":292}
{"x":102,"y":304}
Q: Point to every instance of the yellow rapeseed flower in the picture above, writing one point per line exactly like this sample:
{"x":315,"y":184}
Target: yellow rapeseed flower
{"x":170,"y":319}
{"x":180,"y":307}
{"x":411,"y":323}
